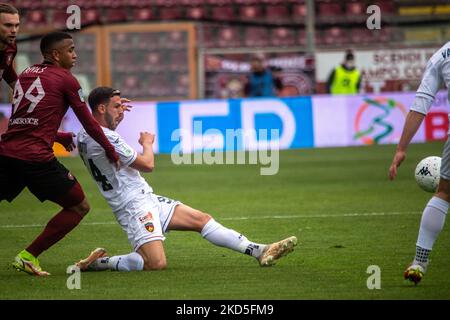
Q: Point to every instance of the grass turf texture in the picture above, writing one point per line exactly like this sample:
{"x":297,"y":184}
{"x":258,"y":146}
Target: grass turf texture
{"x":338,"y":201}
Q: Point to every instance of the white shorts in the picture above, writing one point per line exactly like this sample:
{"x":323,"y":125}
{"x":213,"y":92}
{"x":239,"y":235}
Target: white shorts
{"x":145,"y":218}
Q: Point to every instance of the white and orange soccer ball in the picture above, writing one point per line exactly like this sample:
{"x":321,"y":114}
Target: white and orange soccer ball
{"x":427,"y":173}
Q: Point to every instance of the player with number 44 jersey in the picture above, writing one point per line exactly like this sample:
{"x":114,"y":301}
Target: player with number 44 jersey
{"x":42,"y":95}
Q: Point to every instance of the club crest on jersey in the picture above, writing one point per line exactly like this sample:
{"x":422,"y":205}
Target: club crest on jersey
{"x":9,"y":59}
{"x":147,"y":220}
{"x":149,"y":226}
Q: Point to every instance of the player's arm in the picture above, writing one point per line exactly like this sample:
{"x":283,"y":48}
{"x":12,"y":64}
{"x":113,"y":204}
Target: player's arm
{"x":10,"y":76}
{"x":145,"y":162}
{"x":76,"y":101}
{"x":66,"y":139}
{"x":431,"y":82}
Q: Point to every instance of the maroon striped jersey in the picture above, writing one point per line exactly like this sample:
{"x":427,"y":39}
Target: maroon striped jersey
{"x":42,"y":95}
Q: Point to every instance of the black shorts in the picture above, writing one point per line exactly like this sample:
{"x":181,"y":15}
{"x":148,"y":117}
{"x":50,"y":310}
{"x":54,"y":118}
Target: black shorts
{"x":47,"y":181}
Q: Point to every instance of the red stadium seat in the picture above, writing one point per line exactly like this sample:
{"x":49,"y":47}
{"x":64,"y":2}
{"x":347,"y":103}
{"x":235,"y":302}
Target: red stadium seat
{"x":139,"y":3}
{"x":165,"y":3}
{"x":256,"y":37}
{"x":86,"y":4}
{"x":299,"y":12}
{"x":250,"y":13}
{"x":277,"y":13}
{"x":30,"y":4}
{"x":301,"y":37}
{"x":57,"y":4}
{"x":36,"y":19}
{"x":195,"y":13}
{"x":143,"y":14}
{"x":246,"y":2}
{"x":116,"y":15}
{"x":229,"y":37}
{"x":283,"y":37}
{"x":193,"y":3}
{"x":59,"y":19}
{"x":219,"y":2}
{"x":170,"y":13}
{"x":355,"y":11}
{"x":335,"y":35}
{"x":362,"y":35}
{"x":223,"y":13}
{"x":273,"y":1}
{"x":90,"y":16}
{"x":386,"y":7}
{"x":330,"y":9}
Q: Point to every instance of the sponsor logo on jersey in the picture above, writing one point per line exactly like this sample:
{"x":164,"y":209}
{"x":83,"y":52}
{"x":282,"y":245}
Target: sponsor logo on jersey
{"x":146,"y":218}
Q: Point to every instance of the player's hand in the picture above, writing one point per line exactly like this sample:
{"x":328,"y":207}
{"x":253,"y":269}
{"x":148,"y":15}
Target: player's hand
{"x":66,"y":139}
{"x":125,"y":107}
{"x":399,"y":157}
{"x":146,"y":138}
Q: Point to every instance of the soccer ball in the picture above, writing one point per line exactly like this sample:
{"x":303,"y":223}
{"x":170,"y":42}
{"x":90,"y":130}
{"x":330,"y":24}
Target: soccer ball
{"x":427,"y":173}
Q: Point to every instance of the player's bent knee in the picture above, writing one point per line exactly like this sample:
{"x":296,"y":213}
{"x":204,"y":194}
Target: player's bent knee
{"x":82,"y":208}
{"x":156,"y":265}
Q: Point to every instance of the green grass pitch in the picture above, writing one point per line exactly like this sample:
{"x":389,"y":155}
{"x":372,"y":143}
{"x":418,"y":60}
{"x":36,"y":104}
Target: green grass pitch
{"x":339,"y":202}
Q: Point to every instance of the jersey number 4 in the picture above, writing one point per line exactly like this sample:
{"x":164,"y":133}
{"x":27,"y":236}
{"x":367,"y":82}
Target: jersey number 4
{"x":34,"y":99}
{"x":98,"y":176}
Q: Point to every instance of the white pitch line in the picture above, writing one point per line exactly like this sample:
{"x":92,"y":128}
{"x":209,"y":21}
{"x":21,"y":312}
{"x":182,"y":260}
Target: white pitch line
{"x":342,"y":215}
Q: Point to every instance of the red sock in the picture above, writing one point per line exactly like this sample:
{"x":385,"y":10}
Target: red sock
{"x":60,"y":225}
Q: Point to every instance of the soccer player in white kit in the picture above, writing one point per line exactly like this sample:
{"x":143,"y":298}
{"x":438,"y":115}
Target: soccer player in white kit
{"x":433,"y":218}
{"x":143,"y":215}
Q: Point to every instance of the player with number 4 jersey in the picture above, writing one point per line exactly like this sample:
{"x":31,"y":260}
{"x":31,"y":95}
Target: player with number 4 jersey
{"x":143,"y":215}
{"x":42,"y":95}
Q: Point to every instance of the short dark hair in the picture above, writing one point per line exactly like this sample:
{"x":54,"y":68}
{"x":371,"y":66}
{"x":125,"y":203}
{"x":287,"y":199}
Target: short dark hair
{"x":349,"y":55}
{"x":49,"y":40}
{"x":101,"y":95}
{"x":7,"y":8}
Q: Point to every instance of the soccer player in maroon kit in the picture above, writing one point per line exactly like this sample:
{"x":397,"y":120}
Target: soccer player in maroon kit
{"x":9,"y":27}
{"x":42,"y":95}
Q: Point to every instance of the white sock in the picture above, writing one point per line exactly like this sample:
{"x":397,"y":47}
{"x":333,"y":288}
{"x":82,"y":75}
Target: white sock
{"x":128,"y":262}
{"x":433,"y":219}
{"x":217,"y":234}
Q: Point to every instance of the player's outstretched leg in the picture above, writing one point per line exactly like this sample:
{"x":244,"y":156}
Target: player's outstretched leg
{"x":187,"y":218}
{"x":276,"y":250}
{"x":28,"y":263}
{"x":98,"y":260}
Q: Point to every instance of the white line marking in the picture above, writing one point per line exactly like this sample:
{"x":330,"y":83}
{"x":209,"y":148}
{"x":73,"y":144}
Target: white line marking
{"x":312,"y":216}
